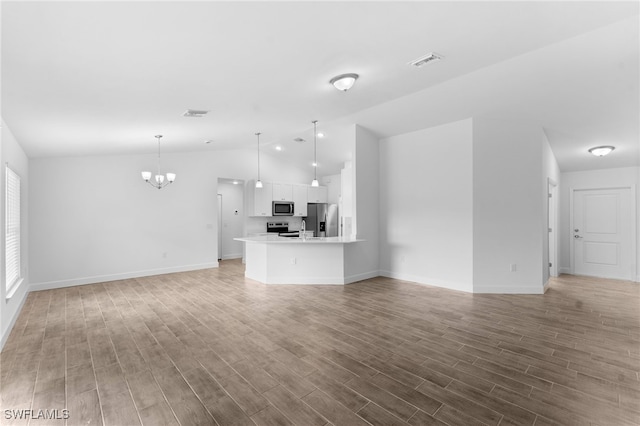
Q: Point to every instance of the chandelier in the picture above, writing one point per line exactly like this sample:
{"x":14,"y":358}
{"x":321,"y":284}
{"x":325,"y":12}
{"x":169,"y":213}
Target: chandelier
{"x":160,"y":181}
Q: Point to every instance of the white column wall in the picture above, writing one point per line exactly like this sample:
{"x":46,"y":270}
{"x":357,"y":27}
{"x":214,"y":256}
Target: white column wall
{"x":426,"y":210}
{"x":507,"y":207}
{"x":361,"y":261}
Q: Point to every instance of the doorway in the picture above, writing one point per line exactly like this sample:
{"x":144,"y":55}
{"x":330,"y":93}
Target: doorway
{"x":552,"y":208}
{"x":603,"y":232}
{"x":230,"y":221}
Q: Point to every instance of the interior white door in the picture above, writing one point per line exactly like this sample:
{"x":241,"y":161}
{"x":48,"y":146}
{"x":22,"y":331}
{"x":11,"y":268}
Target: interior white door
{"x":602,"y":244}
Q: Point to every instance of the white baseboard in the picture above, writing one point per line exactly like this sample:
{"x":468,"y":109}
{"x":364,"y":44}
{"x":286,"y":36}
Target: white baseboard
{"x":636,"y":279}
{"x":466,"y":287}
{"x":232,"y":256}
{"x":564,"y":270}
{"x":359,"y":277}
{"x":304,"y":281}
{"x":458,"y":286}
{"x":114,"y":277}
{"x":12,"y":320}
{"x":337,"y":280}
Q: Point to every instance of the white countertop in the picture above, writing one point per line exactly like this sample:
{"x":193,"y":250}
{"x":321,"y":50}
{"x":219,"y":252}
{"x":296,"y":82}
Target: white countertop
{"x":275,"y":239}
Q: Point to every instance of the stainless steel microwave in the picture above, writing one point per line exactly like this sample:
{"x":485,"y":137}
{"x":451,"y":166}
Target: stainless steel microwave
{"x":282,"y":208}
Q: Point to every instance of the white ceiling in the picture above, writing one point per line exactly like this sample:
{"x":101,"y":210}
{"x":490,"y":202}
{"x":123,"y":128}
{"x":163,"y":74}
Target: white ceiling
{"x":93,"y":78}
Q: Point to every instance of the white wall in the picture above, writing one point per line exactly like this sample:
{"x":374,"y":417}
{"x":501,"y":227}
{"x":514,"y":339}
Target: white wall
{"x":233,"y":216}
{"x":426,"y":210}
{"x":347,"y":202}
{"x":507,"y":207}
{"x":333,"y":184}
{"x":361,"y":260}
{"x":550,"y":172}
{"x":605,"y":178}
{"x":11,"y":152}
{"x":94,"y":219}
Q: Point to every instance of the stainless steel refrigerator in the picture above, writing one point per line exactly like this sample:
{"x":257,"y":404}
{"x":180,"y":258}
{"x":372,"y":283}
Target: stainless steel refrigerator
{"x":322,"y":219}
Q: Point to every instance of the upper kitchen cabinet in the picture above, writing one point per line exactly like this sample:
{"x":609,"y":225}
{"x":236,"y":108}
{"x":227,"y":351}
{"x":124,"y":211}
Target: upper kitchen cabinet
{"x":317,"y":194}
{"x":282,"y":192}
{"x":300,"y":199}
{"x":259,"y":199}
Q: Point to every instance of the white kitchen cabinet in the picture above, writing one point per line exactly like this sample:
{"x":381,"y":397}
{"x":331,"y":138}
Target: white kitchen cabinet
{"x":282,"y":192}
{"x":300,"y":199}
{"x":317,"y":194}
{"x":259,"y":199}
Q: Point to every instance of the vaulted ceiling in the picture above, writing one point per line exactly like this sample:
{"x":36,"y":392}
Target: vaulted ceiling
{"x":100,"y":78}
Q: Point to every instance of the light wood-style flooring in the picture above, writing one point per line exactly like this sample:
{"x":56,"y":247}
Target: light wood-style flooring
{"x":211,"y":347}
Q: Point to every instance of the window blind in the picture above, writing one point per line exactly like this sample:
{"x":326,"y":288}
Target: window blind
{"x":12,"y":228}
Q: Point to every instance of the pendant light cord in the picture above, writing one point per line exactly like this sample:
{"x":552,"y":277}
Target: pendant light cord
{"x":315,"y":150}
{"x":158,"y":137}
{"x":258,"y":135}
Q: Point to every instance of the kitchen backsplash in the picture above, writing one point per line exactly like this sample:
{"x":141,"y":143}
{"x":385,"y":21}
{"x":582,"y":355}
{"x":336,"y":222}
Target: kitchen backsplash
{"x":258,"y":225}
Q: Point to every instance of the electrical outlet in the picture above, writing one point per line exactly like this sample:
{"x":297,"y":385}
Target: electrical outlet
{"x":293,"y":260}
{"x":164,"y":254}
{"x":513,"y":267}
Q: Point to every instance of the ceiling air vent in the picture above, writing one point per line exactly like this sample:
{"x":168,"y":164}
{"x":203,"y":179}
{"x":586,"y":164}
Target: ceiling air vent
{"x":425,"y":59}
{"x":194,"y":113}
{"x":299,"y":140}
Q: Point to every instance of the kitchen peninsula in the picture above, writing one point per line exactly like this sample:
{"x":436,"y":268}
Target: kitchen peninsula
{"x":272,"y":259}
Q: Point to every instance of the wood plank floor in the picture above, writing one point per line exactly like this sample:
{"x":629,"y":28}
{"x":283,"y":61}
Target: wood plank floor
{"x":210,"y":347}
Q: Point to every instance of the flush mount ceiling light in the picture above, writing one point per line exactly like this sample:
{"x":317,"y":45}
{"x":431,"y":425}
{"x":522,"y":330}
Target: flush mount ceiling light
{"x":314,"y":182}
{"x":159,"y":178}
{"x":601,"y":151}
{"x":197,"y":113}
{"x":424,"y":60}
{"x":344,"y":82}
{"x":258,"y":182}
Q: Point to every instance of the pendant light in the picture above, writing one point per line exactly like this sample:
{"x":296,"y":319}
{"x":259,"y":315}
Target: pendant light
{"x":258,"y":182}
{"x":314,"y":182}
{"x":159,"y":178}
